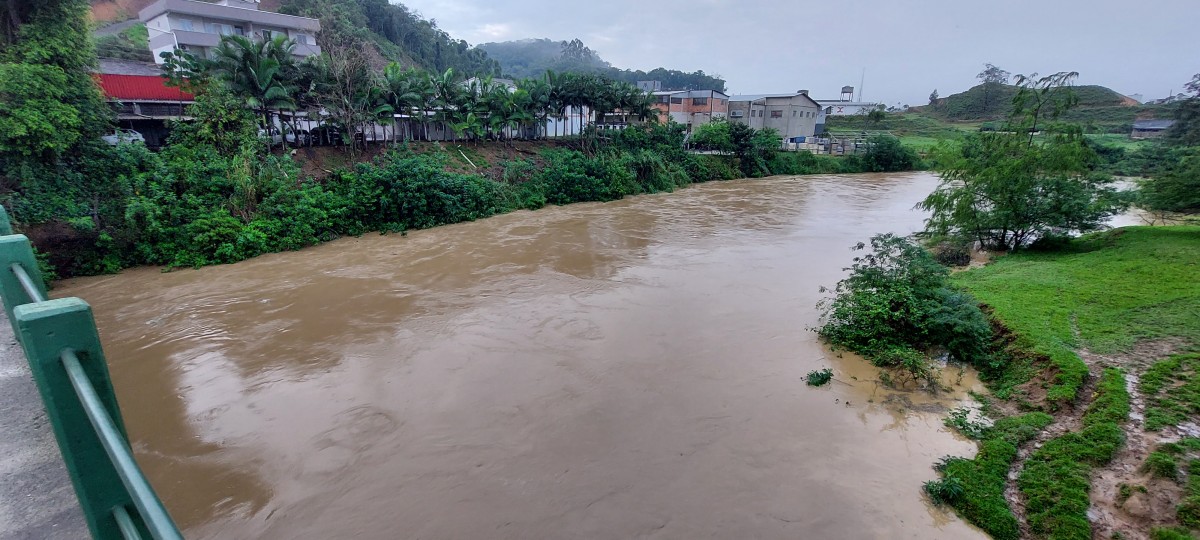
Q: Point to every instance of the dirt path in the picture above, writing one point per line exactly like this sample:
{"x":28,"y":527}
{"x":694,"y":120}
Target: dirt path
{"x":1135,"y":512}
{"x":1066,"y":421}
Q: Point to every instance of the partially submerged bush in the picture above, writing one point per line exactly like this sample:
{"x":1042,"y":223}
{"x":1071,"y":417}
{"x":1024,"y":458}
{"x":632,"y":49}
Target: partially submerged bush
{"x":896,"y":305}
{"x":945,"y":491}
{"x":819,"y":378}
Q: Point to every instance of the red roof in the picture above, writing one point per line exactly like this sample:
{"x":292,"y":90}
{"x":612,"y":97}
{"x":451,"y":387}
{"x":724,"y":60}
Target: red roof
{"x":135,"y":87}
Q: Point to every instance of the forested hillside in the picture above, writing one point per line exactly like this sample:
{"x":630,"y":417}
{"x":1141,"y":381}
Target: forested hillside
{"x":533,"y":57}
{"x":396,"y":31}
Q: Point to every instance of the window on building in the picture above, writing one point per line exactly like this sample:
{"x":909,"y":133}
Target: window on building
{"x":301,"y":39}
{"x":239,"y":30}
{"x":186,"y":24}
{"x":266,"y":35}
{"x":777,"y":113}
{"x":664,"y":99}
{"x":794,"y":113}
{"x":696,"y":102}
{"x":677,"y":100}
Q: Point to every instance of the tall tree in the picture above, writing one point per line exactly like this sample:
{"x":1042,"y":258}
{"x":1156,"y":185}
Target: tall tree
{"x":50,"y":101}
{"x":345,"y":85}
{"x":991,"y":77}
{"x":1186,"y":130}
{"x":993,"y":74}
{"x":933,"y":98}
{"x":1005,"y":189}
{"x":257,"y":71}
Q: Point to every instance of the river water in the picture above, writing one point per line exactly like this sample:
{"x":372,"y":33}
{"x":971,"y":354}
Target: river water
{"x":617,"y":370}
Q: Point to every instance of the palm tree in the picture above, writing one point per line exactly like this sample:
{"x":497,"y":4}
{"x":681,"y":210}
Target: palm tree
{"x":447,"y":94}
{"x":256,"y":71}
{"x":540,"y":100}
{"x":422,"y":86}
{"x":402,"y":94}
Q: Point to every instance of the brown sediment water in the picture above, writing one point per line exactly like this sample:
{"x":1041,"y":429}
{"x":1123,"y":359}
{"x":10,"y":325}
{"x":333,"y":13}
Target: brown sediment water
{"x":615,"y":370}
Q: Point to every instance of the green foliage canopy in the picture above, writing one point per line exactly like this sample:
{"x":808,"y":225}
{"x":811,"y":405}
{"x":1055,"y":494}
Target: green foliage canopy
{"x":1005,"y":189}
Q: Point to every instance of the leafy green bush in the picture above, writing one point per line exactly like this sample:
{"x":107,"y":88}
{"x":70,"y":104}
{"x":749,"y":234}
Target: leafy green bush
{"x":948,"y":490}
{"x":886,"y":154}
{"x":820,"y":377}
{"x":896,"y":302}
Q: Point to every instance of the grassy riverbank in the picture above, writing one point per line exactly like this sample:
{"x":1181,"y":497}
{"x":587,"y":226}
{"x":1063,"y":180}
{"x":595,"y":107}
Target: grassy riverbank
{"x":1080,"y":318}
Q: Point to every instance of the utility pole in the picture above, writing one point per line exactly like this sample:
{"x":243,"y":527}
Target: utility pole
{"x":862,"y":82}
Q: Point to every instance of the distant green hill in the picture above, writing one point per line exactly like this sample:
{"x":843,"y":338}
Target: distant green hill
{"x":533,"y":57}
{"x":528,"y":58}
{"x":1100,"y":109}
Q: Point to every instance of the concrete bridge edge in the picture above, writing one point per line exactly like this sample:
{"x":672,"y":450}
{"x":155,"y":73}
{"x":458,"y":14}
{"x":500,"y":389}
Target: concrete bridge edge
{"x":37,"y":500}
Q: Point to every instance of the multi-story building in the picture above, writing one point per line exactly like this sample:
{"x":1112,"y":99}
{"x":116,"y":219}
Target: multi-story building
{"x":692,"y":108}
{"x":197,"y":27}
{"x":793,"y":115}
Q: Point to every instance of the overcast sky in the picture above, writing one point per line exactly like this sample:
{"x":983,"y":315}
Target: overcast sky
{"x":907,"y":47}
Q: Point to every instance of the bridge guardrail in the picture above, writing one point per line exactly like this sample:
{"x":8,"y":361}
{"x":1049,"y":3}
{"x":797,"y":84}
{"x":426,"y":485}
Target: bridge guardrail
{"x":61,"y":343}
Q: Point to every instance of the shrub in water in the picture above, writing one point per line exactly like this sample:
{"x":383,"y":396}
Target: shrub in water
{"x":820,"y":378}
{"x":944,"y":491}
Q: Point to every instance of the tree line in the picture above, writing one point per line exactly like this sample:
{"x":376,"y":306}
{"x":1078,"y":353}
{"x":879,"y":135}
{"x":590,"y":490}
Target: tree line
{"x":340,"y":86}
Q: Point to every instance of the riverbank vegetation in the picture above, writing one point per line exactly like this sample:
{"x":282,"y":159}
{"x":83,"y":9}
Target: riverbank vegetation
{"x":217,"y":193}
{"x":1070,"y":319}
{"x":898,"y":310}
{"x":1105,"y":293}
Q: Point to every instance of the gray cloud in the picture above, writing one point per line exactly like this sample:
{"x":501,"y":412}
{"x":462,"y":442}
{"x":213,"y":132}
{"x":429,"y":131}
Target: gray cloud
{"x":907,"y":47}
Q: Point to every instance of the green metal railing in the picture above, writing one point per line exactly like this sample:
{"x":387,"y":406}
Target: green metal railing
{"x":62,"y":345}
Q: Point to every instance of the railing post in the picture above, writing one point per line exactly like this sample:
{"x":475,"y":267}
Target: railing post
{"x":15,"y":248}
{"x":45,"y":330}
{"x":5,"y":223}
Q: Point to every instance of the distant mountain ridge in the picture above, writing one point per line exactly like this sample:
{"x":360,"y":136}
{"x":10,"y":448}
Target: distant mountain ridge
{"x":532,"y":57}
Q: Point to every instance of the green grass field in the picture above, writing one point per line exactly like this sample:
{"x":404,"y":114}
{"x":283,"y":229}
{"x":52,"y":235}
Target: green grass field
{"x":1105,"y":292}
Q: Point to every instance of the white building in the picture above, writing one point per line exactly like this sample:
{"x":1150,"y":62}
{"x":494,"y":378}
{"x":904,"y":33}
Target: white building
{"x":793,"y":115}
{"x":837,"y":107}
{"x":197,"y":27}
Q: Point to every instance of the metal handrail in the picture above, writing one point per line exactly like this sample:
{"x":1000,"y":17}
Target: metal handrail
{"x":151,"y":509}
{"x":125,"y":523}
{"x":35,"y":294}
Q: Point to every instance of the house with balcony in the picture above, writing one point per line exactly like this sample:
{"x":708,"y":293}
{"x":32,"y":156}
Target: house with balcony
{"x":793,"y":115}
{"x":692,"y":108}
{"x":197,"y":27}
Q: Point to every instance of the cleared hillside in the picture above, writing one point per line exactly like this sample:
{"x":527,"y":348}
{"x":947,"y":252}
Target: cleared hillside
{"x":1100,"y":109}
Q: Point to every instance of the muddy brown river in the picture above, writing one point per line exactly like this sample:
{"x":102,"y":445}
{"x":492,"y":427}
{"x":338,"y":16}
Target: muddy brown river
{"x":619,"y":370}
